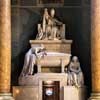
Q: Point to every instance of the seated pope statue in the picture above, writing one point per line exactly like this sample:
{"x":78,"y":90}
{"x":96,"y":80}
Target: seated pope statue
{"x":51,"y":28}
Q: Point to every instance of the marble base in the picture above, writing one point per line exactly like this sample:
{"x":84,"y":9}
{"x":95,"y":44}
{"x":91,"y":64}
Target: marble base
{"x":25,"y":92}
{"x":6,"y":96}
{"x":33,"y":80}
{"x":74,"y":93}
{"x":37,"y":81}
{"x":62,"y":46}
{"x":35,"y":93}
{"x":95,"y":96}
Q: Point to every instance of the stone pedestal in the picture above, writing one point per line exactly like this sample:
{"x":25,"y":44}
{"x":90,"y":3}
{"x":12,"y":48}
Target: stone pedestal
{"x":25,"y":92}
{"x":6,"y":96}
{"x":95,"y":96}
{"x":37,"y":81}
{"x":62,"y":46}
{"x":74,"y":93}
{"x":95,"y":49}
{"x":33,"y":80}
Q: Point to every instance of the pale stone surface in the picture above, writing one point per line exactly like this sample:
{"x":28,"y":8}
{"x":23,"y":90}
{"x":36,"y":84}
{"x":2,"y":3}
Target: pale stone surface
{"x":37,"y":79}
{"x":25,"y":92}
{"x":95,"y":49}
{"x":95,"y":96}
{"x":5,"y":46}
{"x":6,"y":96}
{"x":31,"y":80}
{"x":74,"y":93}
{"x":54,"y":60}
{"x":62,"y":46}
{"x":70,"y":92}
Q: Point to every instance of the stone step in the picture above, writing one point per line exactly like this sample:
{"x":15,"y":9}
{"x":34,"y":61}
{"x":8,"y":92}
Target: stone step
{"x":25,"y":92}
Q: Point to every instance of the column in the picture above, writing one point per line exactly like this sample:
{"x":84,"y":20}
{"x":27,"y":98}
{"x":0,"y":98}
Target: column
{"x":95,"y":49}
{"x":5,"y":49}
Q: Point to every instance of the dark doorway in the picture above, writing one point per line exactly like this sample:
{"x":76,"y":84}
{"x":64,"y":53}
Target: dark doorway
{"x":51,"y":90}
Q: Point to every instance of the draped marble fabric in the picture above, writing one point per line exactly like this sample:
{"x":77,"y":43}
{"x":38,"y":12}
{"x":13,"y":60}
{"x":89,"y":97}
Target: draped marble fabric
{"x":75,"y":74}
{"x":30,"y":60}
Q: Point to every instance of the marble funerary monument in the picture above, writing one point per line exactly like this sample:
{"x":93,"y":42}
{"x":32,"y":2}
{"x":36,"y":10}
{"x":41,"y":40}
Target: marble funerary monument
{"x":58,"y":76}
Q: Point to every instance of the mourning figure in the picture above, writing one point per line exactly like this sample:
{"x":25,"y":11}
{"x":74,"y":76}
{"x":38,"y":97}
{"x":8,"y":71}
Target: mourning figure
{"x":37,"y":52}
{"x":75,"y":74}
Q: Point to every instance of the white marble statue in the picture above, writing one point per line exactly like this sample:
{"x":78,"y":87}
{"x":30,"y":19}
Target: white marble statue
{"x":55,"y":25}
{"x":75,"y":74}
{"x":42,"y":28}
{"x":37,"y":52}
{"x":40,"y":34}
{"x":51,"y":28}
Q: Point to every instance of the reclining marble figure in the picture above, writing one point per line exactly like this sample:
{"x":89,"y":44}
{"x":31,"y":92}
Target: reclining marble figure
{"x":75,"y":75}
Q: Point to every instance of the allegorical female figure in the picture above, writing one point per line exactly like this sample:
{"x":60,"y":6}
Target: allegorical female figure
{"x":42,"y":27}
{"x":30,"y":59}
{"x":75,"y":74}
